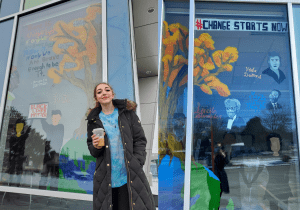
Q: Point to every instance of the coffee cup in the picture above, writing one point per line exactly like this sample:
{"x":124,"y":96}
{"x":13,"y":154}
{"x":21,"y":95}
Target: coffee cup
{"x":100,"y":133}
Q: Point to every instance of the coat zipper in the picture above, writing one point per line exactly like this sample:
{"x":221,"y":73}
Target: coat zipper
{"x":126,"y":161}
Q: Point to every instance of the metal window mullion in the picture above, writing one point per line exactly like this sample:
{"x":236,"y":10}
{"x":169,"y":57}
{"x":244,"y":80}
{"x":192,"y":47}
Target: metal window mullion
{"x":160,"y":23}
{"x":295,"y":73}
{"x":21,"y":5}
{"x":104,"y":41}
{"x":48,"y":193}
{"x":134,"y":66}
{"x":190,"y":102}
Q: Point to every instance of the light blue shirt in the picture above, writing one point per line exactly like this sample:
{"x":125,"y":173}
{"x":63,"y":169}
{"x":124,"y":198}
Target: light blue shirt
{"x":118,"y":169}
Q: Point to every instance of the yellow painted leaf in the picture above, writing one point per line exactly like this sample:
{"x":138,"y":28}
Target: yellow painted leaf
{"x":199,"y":51}
{"x":210,"y":78}
{"x":209,"y":65}
{"x":196,"y":71}
{"x":204,"y":72}
{"x":206,"y":89}
{"x":217,"y":57}
{"x":228,"y":67}
{"x":179,"y":59}
{"x":51,"y":74}
{"x":201,"y":62}
{"x":221,"y":88}
{"x":172,"y":77}
{"x":230,"y":52}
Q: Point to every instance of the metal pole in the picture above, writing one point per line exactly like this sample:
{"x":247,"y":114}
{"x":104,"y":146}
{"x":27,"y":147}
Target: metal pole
{"x":190,"y":108}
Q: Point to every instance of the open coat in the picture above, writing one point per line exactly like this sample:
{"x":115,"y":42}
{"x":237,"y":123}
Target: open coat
{"x":134,"y":144}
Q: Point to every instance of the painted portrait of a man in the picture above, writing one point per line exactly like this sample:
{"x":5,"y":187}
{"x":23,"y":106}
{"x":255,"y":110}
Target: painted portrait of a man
{"x":273,"y":104}
{"x":273,"y":70}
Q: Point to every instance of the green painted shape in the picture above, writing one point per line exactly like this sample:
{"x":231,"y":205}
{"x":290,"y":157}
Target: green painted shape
{"x":202,"y":184}
{"x":230,"y":205}
{"x":75,"y":148}
{"x":65,"y":185}
{"x":48,"y":187}
{"x":215,"y":190}
{"x":76,"y":163}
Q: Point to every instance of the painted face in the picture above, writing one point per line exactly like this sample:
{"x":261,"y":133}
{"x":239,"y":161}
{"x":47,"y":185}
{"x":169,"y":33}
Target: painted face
{"x":19,"y":127}
{"x":274,"y":62}
{"x":274,"y":96}
{"x":231,"y":109}
{"x":55,"y":119}
{"x":104,"y":94}
{"x":275,"y":144}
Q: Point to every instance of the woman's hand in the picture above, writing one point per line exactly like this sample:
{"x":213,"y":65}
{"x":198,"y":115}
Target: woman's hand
{"x":96,"y":140}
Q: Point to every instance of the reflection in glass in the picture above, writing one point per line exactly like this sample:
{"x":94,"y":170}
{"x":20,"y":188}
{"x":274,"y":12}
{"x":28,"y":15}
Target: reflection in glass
{"x":119,"y":58}
{"x":172,"y":107}
{"x":6,"y":28}
{"x":55,"y":70}
{"x":9,"y":7}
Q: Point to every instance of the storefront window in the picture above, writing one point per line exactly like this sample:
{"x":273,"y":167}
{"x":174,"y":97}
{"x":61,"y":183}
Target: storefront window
{"x":9,"y":7}
{"x":56,"y":65}
{"x":244,"y":116}
{"x":32,"y":3}
{"x":172,"y":105}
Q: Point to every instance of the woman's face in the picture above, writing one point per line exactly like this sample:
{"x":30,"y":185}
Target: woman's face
{"x":104,"y":94}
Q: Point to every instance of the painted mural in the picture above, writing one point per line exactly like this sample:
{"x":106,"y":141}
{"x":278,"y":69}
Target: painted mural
{"x":58,"y":64}
{"x":244,"y":119}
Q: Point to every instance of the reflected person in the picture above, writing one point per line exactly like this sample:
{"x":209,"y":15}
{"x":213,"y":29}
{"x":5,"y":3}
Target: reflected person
{"x":16,"y":150}
{"x":220,"y":162}
{"x":279,"y":169}
{"x":55,"y":134}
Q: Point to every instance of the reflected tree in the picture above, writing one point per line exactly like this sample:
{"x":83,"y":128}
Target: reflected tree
{"x":277,"y":121}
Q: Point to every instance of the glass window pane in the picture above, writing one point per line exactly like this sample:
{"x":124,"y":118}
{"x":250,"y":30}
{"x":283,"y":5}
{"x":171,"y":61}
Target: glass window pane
{"x":6,"y":28}
{"x":244,"y":116}
{"x":32,"y":3}
{"x":57,"y":61}
{"x":172,"y":104}
{"x":9,"y":7}
{"x":120,"y":70}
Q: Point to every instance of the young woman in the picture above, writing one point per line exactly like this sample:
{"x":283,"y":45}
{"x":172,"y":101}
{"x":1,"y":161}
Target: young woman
{"x":119,"y":180}
{"x":220,"y":162}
